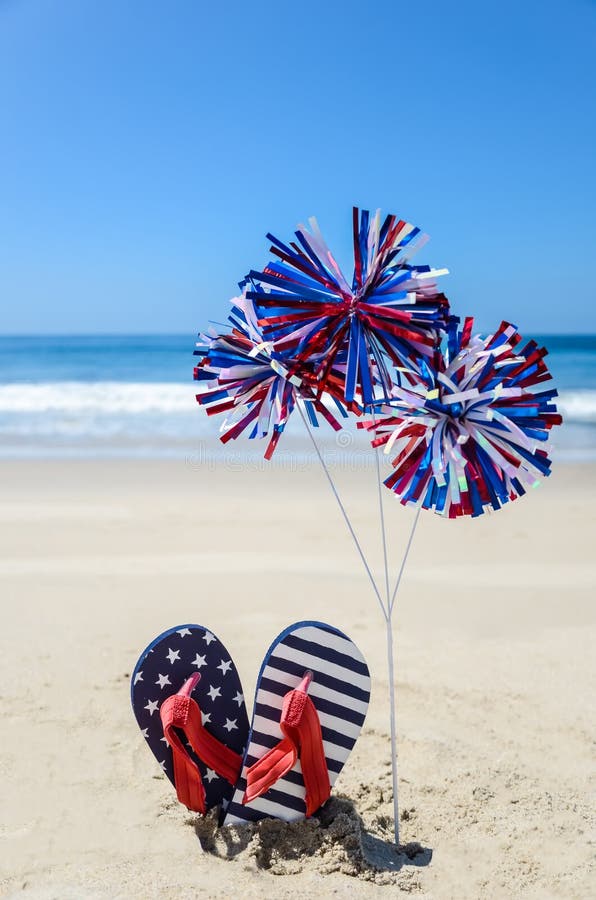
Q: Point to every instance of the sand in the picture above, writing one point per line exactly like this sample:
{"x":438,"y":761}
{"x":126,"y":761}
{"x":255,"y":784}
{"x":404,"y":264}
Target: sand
{"x":495,"y":679}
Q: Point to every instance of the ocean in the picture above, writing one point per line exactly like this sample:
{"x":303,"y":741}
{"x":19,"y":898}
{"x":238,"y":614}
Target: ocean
{"x":134,"y":396}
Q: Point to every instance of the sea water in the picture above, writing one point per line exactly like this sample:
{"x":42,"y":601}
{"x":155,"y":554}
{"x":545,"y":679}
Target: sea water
{"x":135,"y":396}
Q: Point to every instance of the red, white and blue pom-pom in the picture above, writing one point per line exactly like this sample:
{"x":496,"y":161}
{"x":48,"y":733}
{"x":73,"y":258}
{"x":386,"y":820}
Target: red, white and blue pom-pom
{"x":241,"y":376}
{"x":389,"y":313}
{"x":467,"y":432}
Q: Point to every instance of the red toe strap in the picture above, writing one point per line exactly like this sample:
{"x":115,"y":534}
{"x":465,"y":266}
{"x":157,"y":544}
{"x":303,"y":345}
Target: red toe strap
{"x":301,"y":728}
{"x":181,"y":712}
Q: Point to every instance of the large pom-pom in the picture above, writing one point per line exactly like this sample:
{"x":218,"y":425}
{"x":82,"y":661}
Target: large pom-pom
{"x":469,"y":433}
{"x":388,"y":314}
{"x":243,"y":377}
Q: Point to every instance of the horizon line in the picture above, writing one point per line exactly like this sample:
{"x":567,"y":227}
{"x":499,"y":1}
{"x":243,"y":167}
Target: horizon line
{"x":146,"y":334}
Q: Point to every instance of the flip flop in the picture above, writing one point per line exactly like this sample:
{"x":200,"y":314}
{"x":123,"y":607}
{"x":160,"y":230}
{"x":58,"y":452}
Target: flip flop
{"x":187,"y":698}
{"x":310,"y":704}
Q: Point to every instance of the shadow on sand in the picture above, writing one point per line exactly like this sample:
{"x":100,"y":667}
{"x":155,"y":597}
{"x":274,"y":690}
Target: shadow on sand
{"x":335,"y":839}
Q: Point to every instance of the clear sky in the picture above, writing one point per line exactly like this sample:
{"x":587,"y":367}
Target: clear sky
{"x":147,"y":147}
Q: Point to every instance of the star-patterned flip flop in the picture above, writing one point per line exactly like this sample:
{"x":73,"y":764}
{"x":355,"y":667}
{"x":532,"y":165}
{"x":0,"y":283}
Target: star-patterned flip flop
{"x":311,"y":700}
{"x":187,"y":698}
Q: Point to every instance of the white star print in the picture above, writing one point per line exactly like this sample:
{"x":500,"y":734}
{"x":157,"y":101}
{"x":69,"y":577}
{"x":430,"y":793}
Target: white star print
{"x":144,"y":732}
{"x":225,"y":666}
{"x":162,"y":680}
{"x":199,"y":661}
{"x":205,"y":717}
{"x":138,"y":677}
{"x":173,"y":655}
{"x":163,"y":764}
{"x":214,"y":692}
{"x":230,"y":724}
{"x":165,"y":741}
{"x":239,"y":698}
{"x":183,"y":632}
{"x":208,"y":637}
{"x":210,"y":774}
{"x":151,"y":706}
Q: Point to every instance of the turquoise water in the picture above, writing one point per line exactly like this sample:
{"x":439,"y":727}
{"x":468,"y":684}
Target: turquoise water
{"x":113,"y":358}
{"x":134,"y":396}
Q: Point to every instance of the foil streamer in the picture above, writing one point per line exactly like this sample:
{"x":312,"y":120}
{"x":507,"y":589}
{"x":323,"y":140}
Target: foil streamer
{"x":469,"y":433}
{"x":389,"y":314}
{"x":242,"y":376}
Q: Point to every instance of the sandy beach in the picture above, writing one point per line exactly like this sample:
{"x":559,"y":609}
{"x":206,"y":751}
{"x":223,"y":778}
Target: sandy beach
{"x":495,"y":681}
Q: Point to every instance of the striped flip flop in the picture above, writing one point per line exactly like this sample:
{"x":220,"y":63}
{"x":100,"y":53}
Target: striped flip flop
{"x":311,"y":700}
{"x":188,"y":702}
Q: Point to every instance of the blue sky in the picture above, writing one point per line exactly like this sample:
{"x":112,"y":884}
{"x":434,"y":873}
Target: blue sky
{"x":148,"y":147}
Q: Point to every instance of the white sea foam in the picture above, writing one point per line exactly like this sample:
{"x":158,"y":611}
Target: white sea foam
{"x":74,"y":417}
{"x":97,"y":397}
{"x":120,"y":397}
{"x":577,"y":406}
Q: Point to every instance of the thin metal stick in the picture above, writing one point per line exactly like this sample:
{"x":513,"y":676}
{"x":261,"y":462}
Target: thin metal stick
{"x":390,"y":664}
{"x":343,"y":511}
{"x":391,"y":667}
{"x":403,"y":562}
{"x":389,"y":629}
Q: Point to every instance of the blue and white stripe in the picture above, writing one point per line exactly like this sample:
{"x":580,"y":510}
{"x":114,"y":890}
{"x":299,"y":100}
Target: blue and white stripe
{"x":340,"y":691}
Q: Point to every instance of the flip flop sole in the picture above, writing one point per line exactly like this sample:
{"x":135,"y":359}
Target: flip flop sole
{"x":161,"y":671}
{"x":340,"y":691}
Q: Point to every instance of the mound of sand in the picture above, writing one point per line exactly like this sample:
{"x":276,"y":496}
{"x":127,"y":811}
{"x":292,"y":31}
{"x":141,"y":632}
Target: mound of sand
{"x":334,"y":840}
